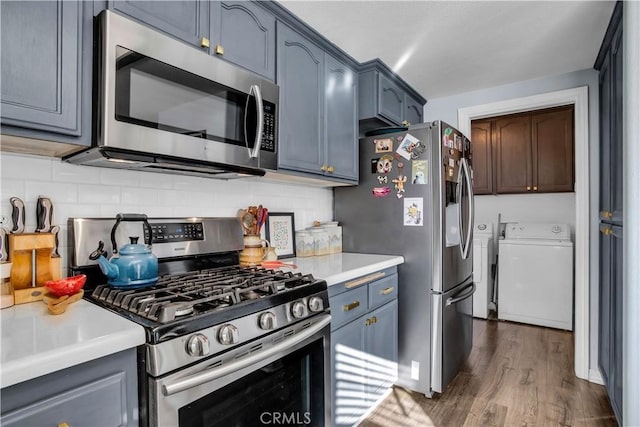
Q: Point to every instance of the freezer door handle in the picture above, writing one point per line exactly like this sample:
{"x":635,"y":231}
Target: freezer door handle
{"x":463,"y":295}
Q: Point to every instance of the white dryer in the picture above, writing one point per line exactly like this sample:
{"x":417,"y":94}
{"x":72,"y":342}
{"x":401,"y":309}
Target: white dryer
{"x":535,"y":275}
{"x":482,"y":262}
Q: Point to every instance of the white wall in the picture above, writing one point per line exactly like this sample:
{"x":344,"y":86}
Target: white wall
{"x":84,"y":191}
{"x":548,"y":206}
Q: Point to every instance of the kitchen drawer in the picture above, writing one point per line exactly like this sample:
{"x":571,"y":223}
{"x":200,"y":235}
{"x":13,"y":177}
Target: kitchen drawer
{"x":361,"y":281}
{"x":382,"y":291}
{"x":347,"y":306}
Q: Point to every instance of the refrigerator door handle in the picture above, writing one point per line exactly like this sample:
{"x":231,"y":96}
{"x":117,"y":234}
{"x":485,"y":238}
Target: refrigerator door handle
{"x":468,"y":241}
{"x":459,"y":201}
{"x":464,"y":296}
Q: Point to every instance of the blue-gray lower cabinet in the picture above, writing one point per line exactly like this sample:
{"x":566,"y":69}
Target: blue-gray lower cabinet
{"x":364,"y":343}
{"x":46,"y":70}
{"x":102,"y":392}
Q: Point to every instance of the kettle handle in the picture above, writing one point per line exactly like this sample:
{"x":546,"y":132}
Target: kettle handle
{"x":131,"y":218}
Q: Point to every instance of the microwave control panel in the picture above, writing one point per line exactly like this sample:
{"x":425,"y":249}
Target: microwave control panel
{"x":175,"y":232}
{"x":268,"y":130}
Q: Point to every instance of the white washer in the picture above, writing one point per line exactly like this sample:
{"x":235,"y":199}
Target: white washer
{"x":535,"y":275}
{"x":482,"y":260}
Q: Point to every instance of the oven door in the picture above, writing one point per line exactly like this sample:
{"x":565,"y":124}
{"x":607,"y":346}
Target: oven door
{"x":279,"y":380}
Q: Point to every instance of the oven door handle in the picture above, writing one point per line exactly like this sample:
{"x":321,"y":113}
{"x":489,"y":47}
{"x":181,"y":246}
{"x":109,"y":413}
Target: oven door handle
{"x":215,"y":373}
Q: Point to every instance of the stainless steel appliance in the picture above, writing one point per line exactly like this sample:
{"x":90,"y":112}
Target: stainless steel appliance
{"x":225,"y":345}
{"x":163,"y":105}
{"x":415,"y":199}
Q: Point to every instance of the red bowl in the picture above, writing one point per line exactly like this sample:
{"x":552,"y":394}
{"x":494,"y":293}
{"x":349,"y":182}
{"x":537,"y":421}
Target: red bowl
{"x":68,"y":286}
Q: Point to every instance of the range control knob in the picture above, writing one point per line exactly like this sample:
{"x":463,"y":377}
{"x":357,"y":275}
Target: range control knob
{"x":316,"y":304}
{"x":267,"y":321}
{"x":298,"y":309}
{"x":198,"y":345}
{"x":228,"y":334}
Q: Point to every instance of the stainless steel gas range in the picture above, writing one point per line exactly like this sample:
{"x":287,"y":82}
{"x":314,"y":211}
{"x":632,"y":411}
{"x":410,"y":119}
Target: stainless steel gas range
{"x":225,"y":345}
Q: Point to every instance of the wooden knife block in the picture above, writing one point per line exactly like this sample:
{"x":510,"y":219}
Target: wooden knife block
{"x":23,"y":248}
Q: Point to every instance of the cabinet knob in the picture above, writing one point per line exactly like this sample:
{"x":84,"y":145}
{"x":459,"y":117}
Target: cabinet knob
{"x":367,"y":322}
{"x":528,"y":188}
{"x":374,"y":319}
{"x":324,"y":168}
{"x":535,"y":188}
{"x":405,"y":123}
{"x":606,"y":214}
{"x":607,"y":231}
{"x":331,"y":169}
{"x":204,"y":42}
{"x":219,"y":49}
{"x":63,"y":424}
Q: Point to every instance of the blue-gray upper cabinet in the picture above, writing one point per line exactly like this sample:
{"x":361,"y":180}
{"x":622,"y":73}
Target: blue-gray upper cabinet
{"x":300,"y":75}
{"x":46,"y":70}
{"x":341,"y":119}
{"x":185,"y":20}
{"x":245,"y":34}
{"x":385,"y":99}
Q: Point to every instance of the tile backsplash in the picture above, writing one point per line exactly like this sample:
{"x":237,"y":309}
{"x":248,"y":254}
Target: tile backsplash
{"x":84,"y":191}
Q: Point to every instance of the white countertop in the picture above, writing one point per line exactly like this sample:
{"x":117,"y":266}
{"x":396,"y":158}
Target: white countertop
{"x":337,"y":268}
{"x":36,"y":343}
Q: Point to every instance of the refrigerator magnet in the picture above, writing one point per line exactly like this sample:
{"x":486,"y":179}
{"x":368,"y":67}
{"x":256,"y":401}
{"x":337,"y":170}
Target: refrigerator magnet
{"x":399,"y":185}
{"x":383,"y":164}
{"x":419,"y":172}
{"x":413,"y":212}
{"x":383,"y":145}
{"x":407,"y":145}
{"x":380,"y":192}
{"x":383,"y":179}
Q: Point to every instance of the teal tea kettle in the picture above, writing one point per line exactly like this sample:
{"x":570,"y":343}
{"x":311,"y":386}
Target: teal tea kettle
{"x":134,"y":265}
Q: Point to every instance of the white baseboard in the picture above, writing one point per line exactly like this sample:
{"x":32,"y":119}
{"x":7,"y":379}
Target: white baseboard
{"x":595,"y":376}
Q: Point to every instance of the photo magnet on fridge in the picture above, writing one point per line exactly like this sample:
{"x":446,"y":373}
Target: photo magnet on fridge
{"x":413,"y":212}
{"x":383,"y":164}
{"x":408,"y":144}
{"x":419,"y":172}
{"x":383,"y":145}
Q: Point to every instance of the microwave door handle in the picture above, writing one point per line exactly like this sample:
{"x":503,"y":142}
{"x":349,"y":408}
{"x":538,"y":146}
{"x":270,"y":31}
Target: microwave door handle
{"x":253,"y":151}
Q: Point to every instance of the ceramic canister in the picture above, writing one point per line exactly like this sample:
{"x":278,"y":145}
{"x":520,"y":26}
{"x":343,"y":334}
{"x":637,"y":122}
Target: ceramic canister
{"x":304,"y":244}
{"x":335,"y":236}
{"x":254,"y":250}
{"x":320,"y":241}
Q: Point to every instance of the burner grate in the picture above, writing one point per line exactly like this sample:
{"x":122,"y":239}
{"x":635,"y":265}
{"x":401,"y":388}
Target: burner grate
{"x":181,"y":295}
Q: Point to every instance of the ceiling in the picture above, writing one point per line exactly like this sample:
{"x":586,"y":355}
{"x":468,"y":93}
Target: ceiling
{"x":446,"y":47}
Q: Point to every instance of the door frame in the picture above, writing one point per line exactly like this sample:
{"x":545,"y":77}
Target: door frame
{"x":579,"y":98}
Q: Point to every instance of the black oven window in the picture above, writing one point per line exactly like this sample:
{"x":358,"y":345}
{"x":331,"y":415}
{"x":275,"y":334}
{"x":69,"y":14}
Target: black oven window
{"x":289,"y":392}
{"x":153,"y":94}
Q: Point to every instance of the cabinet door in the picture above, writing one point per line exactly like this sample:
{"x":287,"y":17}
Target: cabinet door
{"x":552,"y":150}
{"x":482,"y":161}
{"x":300,"y":76}
{"x":390,"y":99}
{"x":616,"y":150}
{"x":604,"y":301}
{"x":605,"y":138}
{"x":341,"y":119}
{"x":348,"y":373}
{"x":615,"y":334}
{"x":512,"y":145}
{"x":382,"y":347}
{"x":184,"y":20}
{"x":247,"y":33}
{"x":41,"y":63}
{"x":412,"y":111}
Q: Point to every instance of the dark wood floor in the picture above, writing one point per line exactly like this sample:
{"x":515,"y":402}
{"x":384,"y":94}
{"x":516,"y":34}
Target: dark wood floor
{"x":516,"y":375}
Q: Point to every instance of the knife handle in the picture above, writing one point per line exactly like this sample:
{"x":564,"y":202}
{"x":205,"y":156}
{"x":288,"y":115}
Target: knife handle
{"x":17,"y":215}
{"x":55,"y":230}
{"x":44,"y":212}
{"x":3,"y":244}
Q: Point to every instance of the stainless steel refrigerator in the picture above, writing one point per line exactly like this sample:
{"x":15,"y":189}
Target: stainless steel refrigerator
{"x":415,"y":199}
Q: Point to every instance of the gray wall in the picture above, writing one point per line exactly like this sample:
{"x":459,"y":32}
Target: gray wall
{"x":447,"y":109}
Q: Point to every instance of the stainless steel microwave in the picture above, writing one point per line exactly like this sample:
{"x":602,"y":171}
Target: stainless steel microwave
{"x":167,"y":107}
